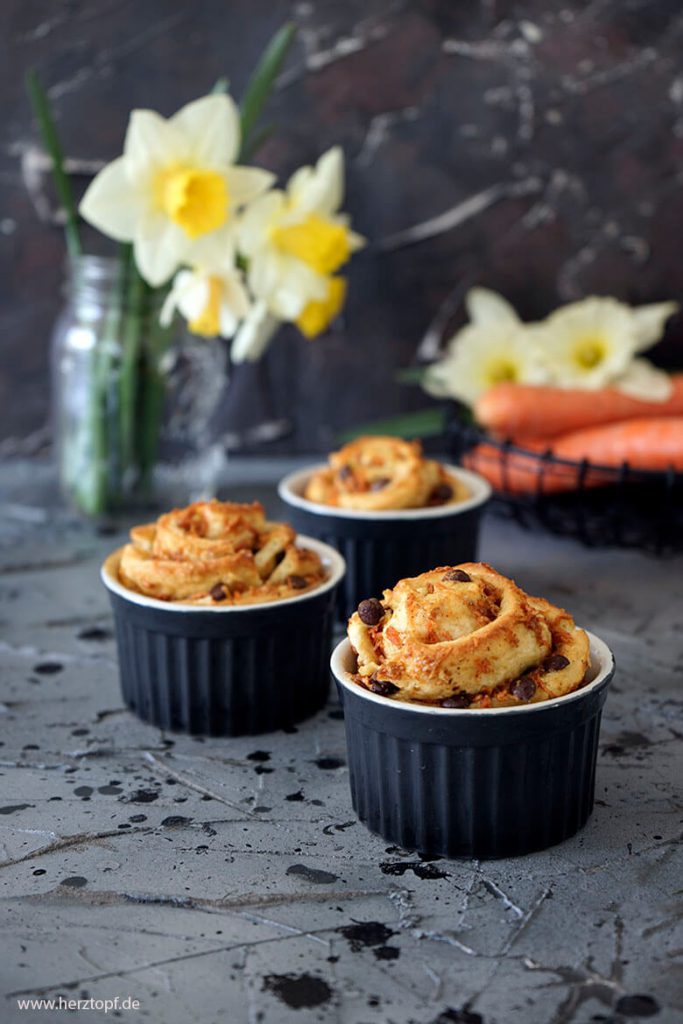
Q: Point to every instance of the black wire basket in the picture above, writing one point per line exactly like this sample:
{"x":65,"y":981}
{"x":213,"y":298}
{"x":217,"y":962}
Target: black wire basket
{"x":600,"y":506}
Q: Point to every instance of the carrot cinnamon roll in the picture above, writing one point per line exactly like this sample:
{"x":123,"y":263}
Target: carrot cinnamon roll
{"x":379,"y":473}
{"x":217,"y":552}
{"x":466,"y":636}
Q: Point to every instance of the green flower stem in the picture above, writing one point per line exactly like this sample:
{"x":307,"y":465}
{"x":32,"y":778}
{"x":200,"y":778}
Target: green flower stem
{"x":151,"y":405}
{"x":135,"y":321}
{"x":46,"y":124}
{"x":94,"y":484}
{"x":260,"y":86}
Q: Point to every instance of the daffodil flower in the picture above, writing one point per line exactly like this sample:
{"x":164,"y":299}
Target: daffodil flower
{"x":295,"y":241}
{"x":587,"y":344}
{"x":494,"y":347}
{"x":175,"y":191}
{"x":593,"y":344}
{"x":480,"y":356}
{"x":212,"y":303}
{"x":254,"y":335}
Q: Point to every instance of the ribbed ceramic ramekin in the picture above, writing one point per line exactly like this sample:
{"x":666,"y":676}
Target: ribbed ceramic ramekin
{"x":225,"y":671}
{"x":388,"y":545}
{"x":473,"y":783}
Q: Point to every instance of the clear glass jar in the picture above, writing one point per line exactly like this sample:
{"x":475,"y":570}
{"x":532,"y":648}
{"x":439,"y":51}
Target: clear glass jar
{"x":127,"y":392}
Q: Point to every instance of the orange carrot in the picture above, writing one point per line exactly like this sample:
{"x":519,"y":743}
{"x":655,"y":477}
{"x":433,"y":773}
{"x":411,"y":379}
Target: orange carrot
{"x":513,"y":472}
{"x":649,"y":443}
{"x":645,"y":444}
{"x":517,"y":410}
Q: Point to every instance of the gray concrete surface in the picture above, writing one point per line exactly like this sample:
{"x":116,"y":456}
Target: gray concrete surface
{"x":229,"y":881}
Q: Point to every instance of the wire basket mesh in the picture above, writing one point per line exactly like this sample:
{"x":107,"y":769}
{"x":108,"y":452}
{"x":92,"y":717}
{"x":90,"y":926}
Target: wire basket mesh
{"x":600,"y":506}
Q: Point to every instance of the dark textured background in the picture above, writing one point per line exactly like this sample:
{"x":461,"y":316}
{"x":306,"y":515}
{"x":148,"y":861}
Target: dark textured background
{"x":534,"y":147}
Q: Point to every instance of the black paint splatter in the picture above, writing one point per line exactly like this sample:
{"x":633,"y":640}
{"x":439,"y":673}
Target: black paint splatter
{"x":314,"y":875}
{"x":637,"y":1006}
{"x":258,"y":755}
{"x":12,"y":808}
{"x":94,"y":633}
{"x":141,"y":796}
{"x":625,"y":742}
{"x":298,"y":991}
{"x":75,"y":881}
{"x":451,"y":1016}
{"x":175,"y":821}
{"x":328,"y":764}
{"x":295,"y":797}
{"x":420,"y":869}
{"x":387,"y":952}
{"x":366,"y":933}
{"x":48,"y":668}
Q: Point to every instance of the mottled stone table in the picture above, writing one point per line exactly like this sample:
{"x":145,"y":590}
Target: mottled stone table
{"x":229,"y":881}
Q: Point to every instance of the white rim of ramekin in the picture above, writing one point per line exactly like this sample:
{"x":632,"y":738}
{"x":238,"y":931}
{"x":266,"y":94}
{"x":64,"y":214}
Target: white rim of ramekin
{"x":600,"y":654}
{"x":329,"y":556}
{"x":291,"y":487}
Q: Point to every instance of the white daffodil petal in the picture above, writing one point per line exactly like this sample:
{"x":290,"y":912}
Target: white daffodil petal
{"x":151,"y":143}
{"x":319,"y":189}
{"x":211,"y":127}
{"x":480,"y":357}
{"x":296,"y":286}
{"x":645,"y":381}
{"x":588,"y":344}
{"x":485,"y":306}
{"x":650,"y":321}
{"x":168,"y":309}
{"x":214,"y":251}
{"x":111,"y":203}
{"x":254,"y":335}
{"x":194,"y":296}
{"x":254,"y":222}
{"x":246,"y":183}
{"x":158,"y":248}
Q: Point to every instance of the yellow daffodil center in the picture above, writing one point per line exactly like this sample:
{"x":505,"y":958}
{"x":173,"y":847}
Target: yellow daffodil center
{"x":208,"y":323}
{"x":321,"y":244}
{"x":500,"y":371}
{"x":193,"y":198}
{"x":318,"y":315}
{"x":589,"y":352}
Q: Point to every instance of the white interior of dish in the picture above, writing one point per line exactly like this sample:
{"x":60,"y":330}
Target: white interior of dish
{"x":343,"y":665}
{"x":333,"y":562}
{"x":291,"y":489}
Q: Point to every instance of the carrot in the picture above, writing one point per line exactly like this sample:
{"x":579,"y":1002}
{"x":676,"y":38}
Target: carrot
{"x":645,"y":444}
{"x":649,"y":443}
{"x":513,"y":472}
{"x":518,"y":410}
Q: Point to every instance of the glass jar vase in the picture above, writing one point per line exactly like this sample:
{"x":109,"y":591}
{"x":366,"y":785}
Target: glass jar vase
{"x":127,"y":392}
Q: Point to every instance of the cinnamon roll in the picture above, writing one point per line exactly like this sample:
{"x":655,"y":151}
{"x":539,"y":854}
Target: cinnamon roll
{"x":465,"y":636}
{"x":217,"y":552}
{"x":379,"y":473}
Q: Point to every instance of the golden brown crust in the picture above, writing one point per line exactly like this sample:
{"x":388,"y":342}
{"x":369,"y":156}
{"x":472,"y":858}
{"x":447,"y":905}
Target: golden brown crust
{"x":377,"y":473}
{"x":469,"y":636}
{"x":217,"y":552}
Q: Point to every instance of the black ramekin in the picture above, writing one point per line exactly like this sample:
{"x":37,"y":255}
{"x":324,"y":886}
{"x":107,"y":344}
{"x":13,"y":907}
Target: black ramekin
{"x":389,"y":545}
{"x":225,"y":671}
{"x":473,"y":783}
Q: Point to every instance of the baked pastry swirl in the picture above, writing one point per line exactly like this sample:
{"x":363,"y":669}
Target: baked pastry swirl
{"x":466,"y":636}
{"x":217,"y":552}
{"x":377,"y":473}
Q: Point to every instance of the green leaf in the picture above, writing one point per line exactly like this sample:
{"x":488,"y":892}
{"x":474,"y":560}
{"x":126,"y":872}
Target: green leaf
{"x":222,"y":85}
{"x":262,"y":80}
{"x":425,"y":423}
{"x":48,"y":131}
{"x":411,"y":375}
{"x":256,"y":141}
